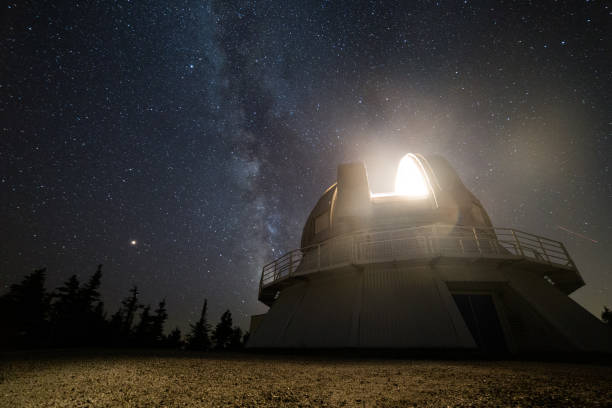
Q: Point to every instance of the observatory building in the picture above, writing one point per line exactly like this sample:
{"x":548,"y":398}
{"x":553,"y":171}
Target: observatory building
{"x":421,"y":268}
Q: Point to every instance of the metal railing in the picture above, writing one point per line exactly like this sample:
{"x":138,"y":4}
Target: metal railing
{"x":413,"y":243}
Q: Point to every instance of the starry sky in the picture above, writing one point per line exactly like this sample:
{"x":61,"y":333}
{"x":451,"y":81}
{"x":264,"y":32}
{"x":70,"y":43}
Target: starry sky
{"x":205,"y":131}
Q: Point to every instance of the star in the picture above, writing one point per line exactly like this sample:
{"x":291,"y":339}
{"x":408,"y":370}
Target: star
{"x":216,"y":130}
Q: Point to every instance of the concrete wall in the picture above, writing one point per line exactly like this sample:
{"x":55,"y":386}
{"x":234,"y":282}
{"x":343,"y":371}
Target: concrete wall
{"x":408,"y":305}
{"x":581,"y":329}
{"x":383,"y":306}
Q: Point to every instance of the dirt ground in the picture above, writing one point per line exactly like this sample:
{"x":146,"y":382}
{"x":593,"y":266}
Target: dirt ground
{"x":185,"y":380}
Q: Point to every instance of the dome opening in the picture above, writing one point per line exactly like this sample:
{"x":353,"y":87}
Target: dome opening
{"x":410,"y":181}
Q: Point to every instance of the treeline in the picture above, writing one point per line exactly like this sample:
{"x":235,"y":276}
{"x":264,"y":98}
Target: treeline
{"x":73,"y":315}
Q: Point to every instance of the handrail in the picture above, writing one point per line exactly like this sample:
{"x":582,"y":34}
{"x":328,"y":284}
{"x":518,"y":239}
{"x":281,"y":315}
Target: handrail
{"x":416,"y":242}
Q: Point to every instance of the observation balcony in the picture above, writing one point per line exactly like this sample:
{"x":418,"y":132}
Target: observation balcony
{"x":423,"y":244}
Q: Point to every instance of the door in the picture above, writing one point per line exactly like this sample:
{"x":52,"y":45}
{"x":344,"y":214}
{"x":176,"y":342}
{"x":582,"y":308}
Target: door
{"x":480,"y":316}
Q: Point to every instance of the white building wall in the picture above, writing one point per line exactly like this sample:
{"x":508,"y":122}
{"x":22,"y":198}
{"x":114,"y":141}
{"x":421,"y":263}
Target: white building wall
{"x":410,"y":306}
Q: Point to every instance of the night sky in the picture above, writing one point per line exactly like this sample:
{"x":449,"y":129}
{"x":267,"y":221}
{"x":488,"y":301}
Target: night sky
{"x":207,"y":131}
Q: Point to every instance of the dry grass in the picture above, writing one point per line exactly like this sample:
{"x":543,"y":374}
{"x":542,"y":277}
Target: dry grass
{"x":183,"y":380}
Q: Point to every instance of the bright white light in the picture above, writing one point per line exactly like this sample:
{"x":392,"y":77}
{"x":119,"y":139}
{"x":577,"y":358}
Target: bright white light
{"x":409,"y":180}
{"x":133,"y":242}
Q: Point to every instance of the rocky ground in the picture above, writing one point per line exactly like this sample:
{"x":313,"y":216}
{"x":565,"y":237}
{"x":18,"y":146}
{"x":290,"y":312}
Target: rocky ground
{"x":101,"y":379}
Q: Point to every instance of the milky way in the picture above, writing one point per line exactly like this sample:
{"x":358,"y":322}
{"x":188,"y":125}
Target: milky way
{"x":206,"y":131}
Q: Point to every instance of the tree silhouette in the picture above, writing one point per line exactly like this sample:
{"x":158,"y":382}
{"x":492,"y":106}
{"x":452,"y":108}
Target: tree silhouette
{"x":73,"y":316}
{"x":149,"y":331}
{"x":198,"y":339}
{"x":94,"y":319}
{"x":159,"y":320}
{"x":606,"y":316}
{"x":66,"y":314}
{"x":144,"y":329}
{"x":90,"y":293}
{"x":24,"y":311}
{"x":77,"y":316}
{"x":235,"y":342}
{"x":130,"y":306}
{"x":222,"y":335}
{"x":122,"y":321}
{"x":174,"y":339}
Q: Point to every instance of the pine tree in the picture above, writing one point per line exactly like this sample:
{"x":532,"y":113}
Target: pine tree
{"x":129,"y":307}
{"x":78,"y":317}
{"x":90,"y":292}
{"x":235,"y":342}
{"x":222,"y":334}
{"x":159,"y":319}
{"x":94,"y":317}
{"x":174,"y":339}
{"x":67,"y":295}
{"x":66,"y":314}
{"x":122,"y":321}
{"x":198,"y":339}
{"x":144,"y":329}
{"x":24,"y":312}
